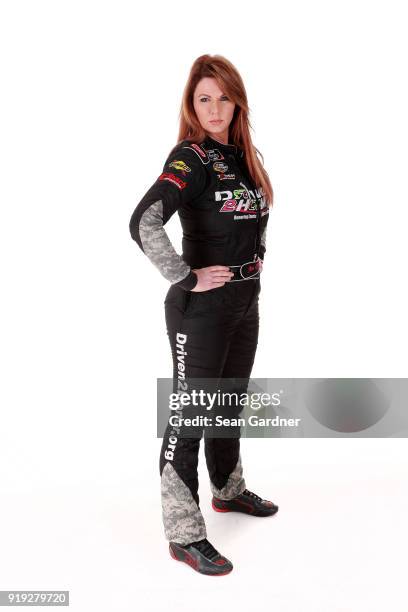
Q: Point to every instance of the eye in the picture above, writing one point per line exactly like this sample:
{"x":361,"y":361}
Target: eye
{"x":204,"y":99}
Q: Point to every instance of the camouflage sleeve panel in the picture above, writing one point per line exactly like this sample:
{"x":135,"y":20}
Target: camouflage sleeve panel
{"x":183,"y":179}
{"x":262,"y":248}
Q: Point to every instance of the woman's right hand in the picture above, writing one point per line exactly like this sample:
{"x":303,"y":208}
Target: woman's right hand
{"x":212,"y":277}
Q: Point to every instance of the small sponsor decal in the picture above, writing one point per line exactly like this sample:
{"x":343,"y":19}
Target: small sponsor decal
{"x":226,"y":176}
{"x":176,"y":180}
{"x":220,"y":167}
{"x":178,"y":164}
{"x":198,"y":149}
{"x":214,"y":155}
{"x":248,"y":269}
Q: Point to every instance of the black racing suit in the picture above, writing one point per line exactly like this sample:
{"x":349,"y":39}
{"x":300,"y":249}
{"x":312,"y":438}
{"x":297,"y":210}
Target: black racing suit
{"x":213,"y":334}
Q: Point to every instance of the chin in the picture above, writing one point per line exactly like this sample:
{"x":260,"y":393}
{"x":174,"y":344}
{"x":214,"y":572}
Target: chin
{"x":216,"y":128}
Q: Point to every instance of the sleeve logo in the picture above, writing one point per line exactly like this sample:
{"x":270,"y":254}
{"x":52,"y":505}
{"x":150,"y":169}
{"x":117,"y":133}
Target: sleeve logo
{"x":168,"y":176}
{"x":178,"y":164}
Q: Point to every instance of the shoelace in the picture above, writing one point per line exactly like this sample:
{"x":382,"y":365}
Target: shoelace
{"x":250,"y":494}
{"x":206,"y":548}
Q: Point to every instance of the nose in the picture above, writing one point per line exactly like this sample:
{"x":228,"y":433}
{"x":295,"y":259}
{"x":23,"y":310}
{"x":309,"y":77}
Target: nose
{"x":214,"y":107}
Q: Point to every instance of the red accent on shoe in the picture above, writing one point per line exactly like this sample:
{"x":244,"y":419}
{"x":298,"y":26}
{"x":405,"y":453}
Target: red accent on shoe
{"x":194,"y":563}
{"x":219,"y":509}
{"x":191,"y":561}
{"x":188,"y":558}
{"x":172,"y":553}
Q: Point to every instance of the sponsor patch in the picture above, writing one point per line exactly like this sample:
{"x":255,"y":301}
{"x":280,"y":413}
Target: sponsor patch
{"x":198,"y":149}
{"x":226,"y":176}
{"x":178,"y":164}
{"x":214,"y":155}
{"x":240,"y":201}
{"x":176,"y":180}
{"x":239,"y":205}
{"x":220,"y":167}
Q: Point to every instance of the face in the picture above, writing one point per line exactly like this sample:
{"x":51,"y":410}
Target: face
{"x":214,"y":109}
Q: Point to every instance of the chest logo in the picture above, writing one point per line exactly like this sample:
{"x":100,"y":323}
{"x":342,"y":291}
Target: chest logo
{"x":226,"y":176}
{"x":220,"y":167}
{"x":214,"y":155}
{"x":240,"y":200}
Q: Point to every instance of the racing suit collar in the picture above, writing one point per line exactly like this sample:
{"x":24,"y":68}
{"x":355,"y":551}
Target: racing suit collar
{"x":225,"y":148}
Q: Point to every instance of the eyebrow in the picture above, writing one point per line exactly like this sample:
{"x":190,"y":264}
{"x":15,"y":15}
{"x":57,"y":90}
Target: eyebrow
{"x":208,"y":95}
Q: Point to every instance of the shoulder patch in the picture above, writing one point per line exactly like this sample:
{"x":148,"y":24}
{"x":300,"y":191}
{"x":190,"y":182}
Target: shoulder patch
{"x":199,"y":151}
{"x":179,"y":164}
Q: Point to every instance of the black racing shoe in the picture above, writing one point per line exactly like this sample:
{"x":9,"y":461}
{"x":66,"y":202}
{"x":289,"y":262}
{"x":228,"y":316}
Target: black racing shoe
{"x":247,"y":502}
{"x":202,"y":556}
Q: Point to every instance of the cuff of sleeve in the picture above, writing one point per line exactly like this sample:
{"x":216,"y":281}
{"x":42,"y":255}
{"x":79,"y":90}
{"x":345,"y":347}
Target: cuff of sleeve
{"x":261,"y":253}
{"x":189,"y":282}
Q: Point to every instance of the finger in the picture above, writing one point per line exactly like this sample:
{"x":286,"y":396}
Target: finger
{"x":223,"y":272}
{"x":220,"y":280}
{"x":215,"y":268}
{"x":214,"y":285}
{"x":221,"y":275}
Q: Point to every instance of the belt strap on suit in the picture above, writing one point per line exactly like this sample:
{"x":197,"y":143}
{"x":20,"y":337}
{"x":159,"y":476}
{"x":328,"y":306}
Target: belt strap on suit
{"x":246,"y":271}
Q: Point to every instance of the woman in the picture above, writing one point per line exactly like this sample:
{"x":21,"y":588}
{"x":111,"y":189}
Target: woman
{"x":222,"y":193}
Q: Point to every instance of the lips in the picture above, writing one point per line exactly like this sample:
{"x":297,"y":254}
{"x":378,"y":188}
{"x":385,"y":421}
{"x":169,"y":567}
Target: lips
{"x":216,"y":121}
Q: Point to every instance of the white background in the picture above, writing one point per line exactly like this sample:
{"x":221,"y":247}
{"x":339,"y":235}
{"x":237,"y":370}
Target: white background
{"x":89,"y":111}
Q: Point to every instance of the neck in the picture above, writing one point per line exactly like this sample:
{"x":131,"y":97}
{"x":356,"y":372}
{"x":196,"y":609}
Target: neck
{"x":222,"y":137}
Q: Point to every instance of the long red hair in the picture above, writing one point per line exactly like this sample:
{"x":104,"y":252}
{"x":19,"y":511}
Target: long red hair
{"x":231,"y":83}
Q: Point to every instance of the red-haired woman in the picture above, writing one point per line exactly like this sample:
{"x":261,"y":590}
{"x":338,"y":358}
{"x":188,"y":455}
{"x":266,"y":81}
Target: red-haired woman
{"x":222,"y":193}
